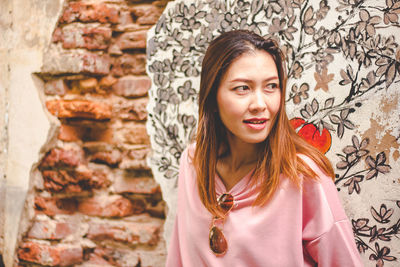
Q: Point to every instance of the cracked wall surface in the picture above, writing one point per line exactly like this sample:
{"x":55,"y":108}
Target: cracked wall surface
{"x":25,"y":28}
{"x":73,"y":140}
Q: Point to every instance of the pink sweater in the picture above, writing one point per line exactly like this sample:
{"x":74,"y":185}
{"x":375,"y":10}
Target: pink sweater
{"x":296,"y":228}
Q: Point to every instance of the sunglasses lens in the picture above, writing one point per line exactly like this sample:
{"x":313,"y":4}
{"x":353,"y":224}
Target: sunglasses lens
{"x":218,"y":242}
{"x":225,"y":201}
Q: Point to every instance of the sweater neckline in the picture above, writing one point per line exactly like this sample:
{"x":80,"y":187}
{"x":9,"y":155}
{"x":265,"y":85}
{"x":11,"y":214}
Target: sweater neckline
{"x":237,"y":189}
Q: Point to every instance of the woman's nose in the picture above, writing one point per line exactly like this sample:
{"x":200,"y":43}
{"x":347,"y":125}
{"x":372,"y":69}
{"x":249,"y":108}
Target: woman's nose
{"x":258,"y":102}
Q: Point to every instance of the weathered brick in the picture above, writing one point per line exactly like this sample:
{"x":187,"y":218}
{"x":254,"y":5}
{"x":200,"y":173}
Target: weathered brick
{"x":72,"y":133}
{"x":125,"y":18}
{"x":135,"y":233}
{"x":97,"y":260}
{"x":146,"y":14}
{"x":151,"y":258}
{"x":132,"y":86}
{"x":57,"y":62}
{"x":118,"y":256}
{"x":74,"y":181}
{"x":52,"y":206}
{"x":95,"y":64}
{"x":56,"y":36}
{"x":51,"y":255}
{"x":61,"y":177}
{"x":55,"y":87}
{"x":114,"y":50}
{"x":135,"y":159}
{"x":89,"y":12}
{"x":157,"y":209}
{"x":111,"y":158}
{"x":51,"y":185}
{"x":83,"y":109}
{"x":109,"y":206}
{"x":129,"y":64}
{"x":88,"y":85}
{"x":138,"y":185}
{"x":107,"y":82}
{"x":161,"y":3}
{"x":59,"y":157}
{"x":132,"y":40}
{"x":132,"y":133}
{"x":97,"y":180}
{"x":46,"y":228}
{"x":92,"y":38}
{"x":131,"y":109}
{"x":130,"y":27}
{"x":94,"y":147}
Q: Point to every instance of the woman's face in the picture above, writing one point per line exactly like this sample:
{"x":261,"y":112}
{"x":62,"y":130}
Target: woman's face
{"x":249,"y":96}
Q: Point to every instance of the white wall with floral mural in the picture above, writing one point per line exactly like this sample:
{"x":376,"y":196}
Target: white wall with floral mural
{"x":343,"y":96}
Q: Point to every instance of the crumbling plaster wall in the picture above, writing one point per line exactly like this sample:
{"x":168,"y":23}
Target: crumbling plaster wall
{"x":25,"y":27}
{"x":84,"y":145}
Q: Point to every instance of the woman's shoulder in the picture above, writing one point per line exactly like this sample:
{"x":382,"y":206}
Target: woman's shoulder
{"x":188,"y":154}
{"x":321,"y":190}
{"x":314,"y":167}
{"x":189,"y":150}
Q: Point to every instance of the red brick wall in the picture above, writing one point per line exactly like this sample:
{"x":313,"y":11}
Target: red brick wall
{"x":95,"y":200}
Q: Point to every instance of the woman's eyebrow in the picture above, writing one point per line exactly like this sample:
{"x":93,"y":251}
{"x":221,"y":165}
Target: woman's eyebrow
{"x":245,"y":80}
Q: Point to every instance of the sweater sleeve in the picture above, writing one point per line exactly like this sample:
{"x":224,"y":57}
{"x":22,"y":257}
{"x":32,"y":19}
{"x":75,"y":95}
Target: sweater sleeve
{"x":335,"y":247}
{"x":174,"y":254}
{"x":174,"y":257}
{"x":327,"y":234}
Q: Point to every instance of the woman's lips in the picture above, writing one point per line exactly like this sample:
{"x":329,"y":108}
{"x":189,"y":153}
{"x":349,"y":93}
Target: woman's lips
{"x":256,"y":123}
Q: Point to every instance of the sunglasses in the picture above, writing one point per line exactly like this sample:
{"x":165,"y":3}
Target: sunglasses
{"x":218,"y":244}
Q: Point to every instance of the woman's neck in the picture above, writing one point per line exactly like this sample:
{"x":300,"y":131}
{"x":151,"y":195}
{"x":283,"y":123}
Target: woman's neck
{"x":237,"y":161}
{"x":241,"y":153}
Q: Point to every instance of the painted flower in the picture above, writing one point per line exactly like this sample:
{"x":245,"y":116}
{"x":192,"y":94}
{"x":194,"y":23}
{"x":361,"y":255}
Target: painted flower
{"x":296,"y":70}
{"x":188,"y":45}
{"x":367,"y":23}
{"x":299,"y":93}
{"x":230,"y":22}
{"x":189,"y":17}
{"x":353,"y":153}
{"x":342,"y":122}
{"x":273,"y":7}
{"x":323,"y":10}
{"x":172,"y":131}
{"x":376,"y":233}
{"x":242,"y":8}
{"x":391,"y":14}
{"x":160,"y":108}
{"x":278,"y":26}
{"x":376,"y":166}
{"x":353,"y":183}
{"x":320,"y":36}
{"x":186,"y":90}
{"x":360,"y":225}
{"x":381,"y":255}
{"x":189,"y":69}
{"x":361,"y":246}
{"x":188,"y":121}
{"x":384,"y":214}
{"x":214,"y":18}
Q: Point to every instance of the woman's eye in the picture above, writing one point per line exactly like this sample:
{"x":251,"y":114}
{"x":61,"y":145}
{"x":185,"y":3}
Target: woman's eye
{"x":241,"y":88}
{"x":272,"y":86}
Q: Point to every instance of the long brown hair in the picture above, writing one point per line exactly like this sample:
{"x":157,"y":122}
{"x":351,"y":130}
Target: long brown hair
{"x":282,"y":144}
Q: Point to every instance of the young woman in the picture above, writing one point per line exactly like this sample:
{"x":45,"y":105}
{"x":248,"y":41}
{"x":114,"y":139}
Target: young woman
{"x":251,"y":192}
